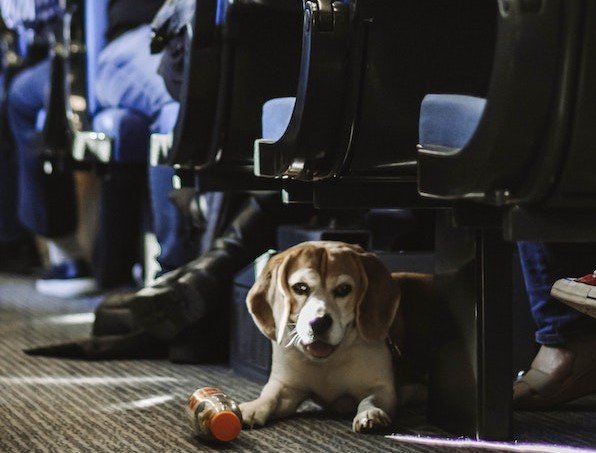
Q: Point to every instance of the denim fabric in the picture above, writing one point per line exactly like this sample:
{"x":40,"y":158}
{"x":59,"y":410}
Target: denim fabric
{"x":171,"y":228}
{"x":543,"y":264}
{"x":127,"y":75}
{"x":129,"y":130}
{"x":96,"y":26}
{"x":26,"y":98}
{"x":46,"y":203}
{"x":126,"y":78}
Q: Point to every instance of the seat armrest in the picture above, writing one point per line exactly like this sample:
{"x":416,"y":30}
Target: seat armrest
{"x":313,"y":126}
{"x":200,"y":85}
{"x":208,"y":87}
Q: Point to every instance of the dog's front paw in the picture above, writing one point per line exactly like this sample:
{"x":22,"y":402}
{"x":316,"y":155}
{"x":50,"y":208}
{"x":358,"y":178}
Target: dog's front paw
{"x":255,"y":413}
{"x":371,"y":420}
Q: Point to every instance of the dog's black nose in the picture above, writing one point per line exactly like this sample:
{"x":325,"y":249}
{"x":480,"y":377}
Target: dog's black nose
{"x":320,"y":324}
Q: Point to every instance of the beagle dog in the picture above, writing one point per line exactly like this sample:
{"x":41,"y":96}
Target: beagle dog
{"x":329,"y":309}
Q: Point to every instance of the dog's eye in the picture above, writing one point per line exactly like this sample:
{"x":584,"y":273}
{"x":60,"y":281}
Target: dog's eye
{"x":301,"y":289}
{"x":342,"y":290}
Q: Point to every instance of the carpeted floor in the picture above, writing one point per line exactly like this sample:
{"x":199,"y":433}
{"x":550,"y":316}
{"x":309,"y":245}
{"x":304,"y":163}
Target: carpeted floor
{"x":65,"y":406}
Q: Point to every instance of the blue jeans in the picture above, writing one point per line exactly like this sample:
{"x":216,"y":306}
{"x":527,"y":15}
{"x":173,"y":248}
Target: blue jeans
{"x":127,"y":75}
{"x":127,"y":78}
{"x":46,"y":203}
{"x":172,"y":230}
{"x":543,"y":264}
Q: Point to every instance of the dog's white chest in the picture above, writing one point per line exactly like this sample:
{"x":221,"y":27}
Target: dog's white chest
{"x":353,"y":373}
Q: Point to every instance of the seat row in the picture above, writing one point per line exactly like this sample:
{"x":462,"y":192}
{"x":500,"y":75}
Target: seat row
{"x":480,"y":110}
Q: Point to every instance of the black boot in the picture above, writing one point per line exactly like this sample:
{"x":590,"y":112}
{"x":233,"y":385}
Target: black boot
{"x":173,"y":304}
{"x":188,"y":309}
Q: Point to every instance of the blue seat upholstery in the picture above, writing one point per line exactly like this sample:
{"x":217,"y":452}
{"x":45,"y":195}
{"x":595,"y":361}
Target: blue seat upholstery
{"x":166,"y":121}
{"x":40,"y":120}
{"x":220,"y":13}
{"x":276,"y":117}
{"x":449,"y":120}
{"x":96,"y":25}
{"x":129,"y":131}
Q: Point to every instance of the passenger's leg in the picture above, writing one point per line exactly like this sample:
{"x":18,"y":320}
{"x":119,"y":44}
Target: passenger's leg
{"x":38,"y":199}
{"x":127,"y":75}
{"x":25,"y":100}
{"x":128,"y":78}
{"x":172,"y":229}
{"x":17,"y":248}
{"x":565,"y":367}
{"x":177,"y":301}
{"x":11,"y":230}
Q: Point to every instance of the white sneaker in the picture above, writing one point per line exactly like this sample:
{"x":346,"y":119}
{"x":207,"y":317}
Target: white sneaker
{"x":68,"y":279}
{"x":578,"y":293}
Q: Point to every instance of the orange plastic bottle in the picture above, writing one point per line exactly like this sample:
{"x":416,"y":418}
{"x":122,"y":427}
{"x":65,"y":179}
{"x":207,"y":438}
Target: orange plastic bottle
{"x":214,"y":415}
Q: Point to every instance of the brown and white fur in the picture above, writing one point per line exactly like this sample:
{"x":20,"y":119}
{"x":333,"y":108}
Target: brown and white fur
{"x":328,"y":308}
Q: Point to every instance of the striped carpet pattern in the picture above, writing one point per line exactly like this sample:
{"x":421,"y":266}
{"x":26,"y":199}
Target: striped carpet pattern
{"x":51,"y":405}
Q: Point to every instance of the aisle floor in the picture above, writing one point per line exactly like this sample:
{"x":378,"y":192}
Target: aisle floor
{"x":124,"y":406}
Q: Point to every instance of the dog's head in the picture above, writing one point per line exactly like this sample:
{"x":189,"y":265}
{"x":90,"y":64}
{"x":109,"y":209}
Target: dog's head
{"x":315,"y":293}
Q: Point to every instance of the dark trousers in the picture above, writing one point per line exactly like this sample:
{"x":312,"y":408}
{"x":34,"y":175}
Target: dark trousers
{"x":11,"y":230}
{"x":46,"y":197}
{"x":127,"y":79}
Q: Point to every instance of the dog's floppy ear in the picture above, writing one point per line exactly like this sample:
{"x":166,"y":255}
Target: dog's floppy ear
{"x":268,"y":299}
{"x":377,"y":306}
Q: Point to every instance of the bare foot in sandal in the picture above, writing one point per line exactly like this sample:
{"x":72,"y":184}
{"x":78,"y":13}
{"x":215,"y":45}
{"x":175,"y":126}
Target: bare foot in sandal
{"x":557,"y":375}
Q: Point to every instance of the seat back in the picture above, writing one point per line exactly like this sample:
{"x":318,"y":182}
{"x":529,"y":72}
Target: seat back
{"x":198,"y":92}
{"x":415,"y":47}
{"x":264,"y":49}
{"x":559,"y":199}
{"x":514,"y":154}
{"x":252,"y":56}
{"x":576,"y":185}
{"x":396,"y":53}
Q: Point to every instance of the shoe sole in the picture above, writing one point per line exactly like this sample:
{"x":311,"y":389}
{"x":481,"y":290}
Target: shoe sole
{"x":577,"y":295}
{"x":75,"y":287}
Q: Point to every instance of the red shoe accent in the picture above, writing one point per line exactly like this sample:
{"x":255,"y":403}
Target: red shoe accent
{"x":589,"y":279}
